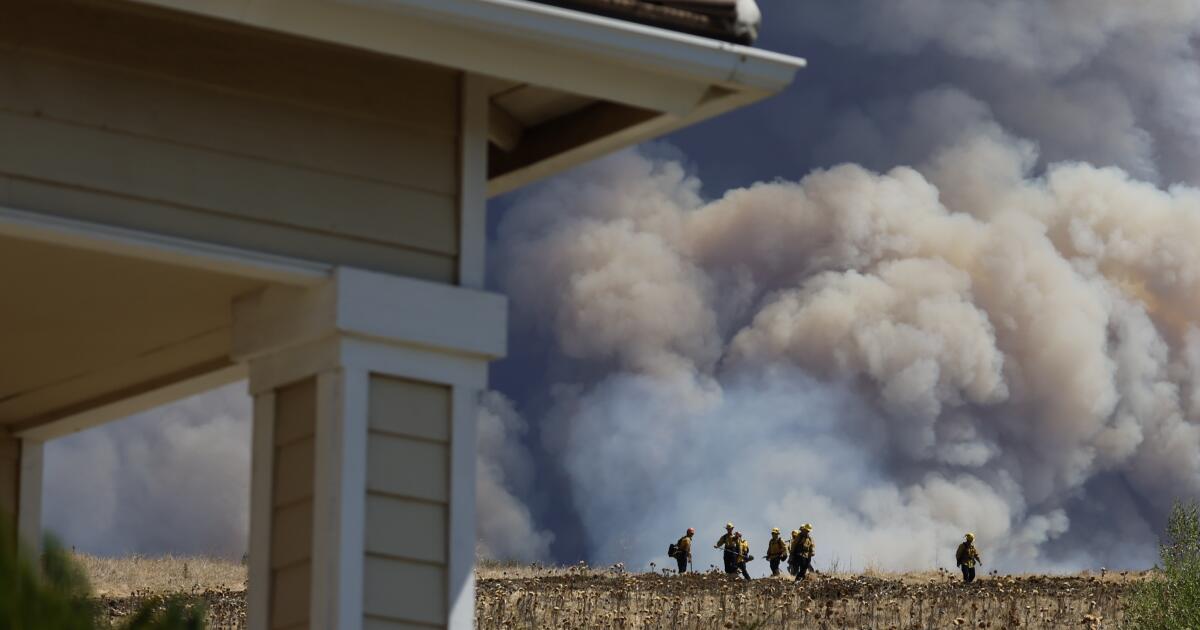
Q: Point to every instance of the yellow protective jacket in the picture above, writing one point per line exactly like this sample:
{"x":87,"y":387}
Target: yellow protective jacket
{"x":727,"y":541}
{"x":745,"y":551}
{"x":685,"y":546}
{"x":777,"y":548}
{"x":802,"y":547}
{"x":967,"y":555}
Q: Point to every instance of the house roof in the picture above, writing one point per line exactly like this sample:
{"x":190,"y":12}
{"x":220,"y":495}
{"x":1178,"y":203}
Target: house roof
{"x":566,"y":85}
{"x":715,"y":19}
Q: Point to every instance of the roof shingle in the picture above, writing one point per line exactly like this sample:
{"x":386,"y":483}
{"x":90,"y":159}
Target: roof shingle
{"x":716,"y":19}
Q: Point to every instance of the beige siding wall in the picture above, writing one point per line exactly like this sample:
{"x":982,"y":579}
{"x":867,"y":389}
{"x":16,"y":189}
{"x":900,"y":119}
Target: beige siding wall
{"x":292,"y":504}
{"x":212,"y":132}
{"x":407,"y":504}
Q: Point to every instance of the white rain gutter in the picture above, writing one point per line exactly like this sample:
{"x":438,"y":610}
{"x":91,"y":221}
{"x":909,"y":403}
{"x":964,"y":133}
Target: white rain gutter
{"x":730,"y":65}
{"x":526,"y":42}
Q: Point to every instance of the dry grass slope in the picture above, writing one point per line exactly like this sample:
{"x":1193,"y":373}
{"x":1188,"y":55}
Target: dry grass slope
{"x":582,"y":598}
{"x":119,"y":577}
{"x":123,"y":584}
{"x":512,"y":597}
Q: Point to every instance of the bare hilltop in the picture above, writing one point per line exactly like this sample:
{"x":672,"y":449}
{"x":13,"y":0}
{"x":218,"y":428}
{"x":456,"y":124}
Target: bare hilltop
{"x":515,"y":596}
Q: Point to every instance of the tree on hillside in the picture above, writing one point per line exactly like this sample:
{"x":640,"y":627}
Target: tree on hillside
{"x":1171,"y":599}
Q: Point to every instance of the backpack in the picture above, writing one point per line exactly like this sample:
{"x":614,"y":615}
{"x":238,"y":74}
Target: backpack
{"x":672,"y":550}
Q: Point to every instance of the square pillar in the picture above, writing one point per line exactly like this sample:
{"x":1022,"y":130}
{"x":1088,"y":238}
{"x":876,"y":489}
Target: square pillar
{"x":363,"y":475}
{"x":21,"y":488}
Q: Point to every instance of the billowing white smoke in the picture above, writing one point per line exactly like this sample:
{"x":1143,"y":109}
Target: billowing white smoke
{"x":173,"y":480}
{"x":504,"y":475}
{"x":896,"y":358}
{"x":1109,"y":81}
{"x":176,"y":480}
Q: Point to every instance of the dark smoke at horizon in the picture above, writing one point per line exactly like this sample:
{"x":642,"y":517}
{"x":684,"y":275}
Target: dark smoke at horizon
{"x":999,"y":335}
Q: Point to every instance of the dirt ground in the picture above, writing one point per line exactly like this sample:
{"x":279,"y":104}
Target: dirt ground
{"x":510,"y":597}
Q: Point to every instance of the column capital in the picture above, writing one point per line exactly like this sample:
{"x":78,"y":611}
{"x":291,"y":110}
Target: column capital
{"x":373,"y":321}
{"x":369,"y":305}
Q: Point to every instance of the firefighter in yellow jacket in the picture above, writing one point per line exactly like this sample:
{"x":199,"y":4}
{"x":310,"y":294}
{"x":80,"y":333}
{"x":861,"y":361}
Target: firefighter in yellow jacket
{"x":743,"y":554}
{"x":683,"y":550}
{"x":731,"y":547}
{"x":777,"y":551}
{"x":802,"y":552}
{"x":791,"y":545}
{"x":967,"y":556}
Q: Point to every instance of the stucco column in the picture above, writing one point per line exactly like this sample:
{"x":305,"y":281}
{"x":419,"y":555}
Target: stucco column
{"x":21,"y":487}
{"x":363,"y":473}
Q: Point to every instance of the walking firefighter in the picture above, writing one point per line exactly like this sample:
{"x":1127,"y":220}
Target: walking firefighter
{"x":777,"y":551}
{"x":791,"y":560}
{"x":802,"y":551}
{"x":682,"y":550}
{"x":743,"y":554}
{"x":967,"y":556}
{"x":732,"y":549}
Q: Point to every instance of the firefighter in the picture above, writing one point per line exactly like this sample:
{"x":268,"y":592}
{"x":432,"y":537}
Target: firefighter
{"x":743,"y":554}
{"x":967,"y":556}
{"x":792,"y":545}
{"x":683,"y":550}
{"x":730,"y":544}
{"x":802,"y":552}
{"x":777,"y":551}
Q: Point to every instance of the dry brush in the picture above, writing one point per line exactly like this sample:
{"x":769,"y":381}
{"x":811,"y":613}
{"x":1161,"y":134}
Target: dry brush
{"x":586,"y":599}
{"x":515,"y":597}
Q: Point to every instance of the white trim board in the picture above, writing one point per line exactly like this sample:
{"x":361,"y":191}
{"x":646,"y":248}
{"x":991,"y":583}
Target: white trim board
{"x":108,"y":239}
{"x":29,"y":492}
{"x":460,"y":572}
{"x":472,"y":181}
{"x":262,"y":466}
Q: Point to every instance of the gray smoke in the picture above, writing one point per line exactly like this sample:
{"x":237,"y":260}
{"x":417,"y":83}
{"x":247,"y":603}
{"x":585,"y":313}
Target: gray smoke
{"x":1110,"y":81}
{"x":176,"y":481}
{"x":896,"y":357}
{"x":504,"y":474}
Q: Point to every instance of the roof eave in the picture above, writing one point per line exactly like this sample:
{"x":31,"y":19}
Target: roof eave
{"x":646,"y":81}
{"x":652,"y":48}
{"x":523,"y":41}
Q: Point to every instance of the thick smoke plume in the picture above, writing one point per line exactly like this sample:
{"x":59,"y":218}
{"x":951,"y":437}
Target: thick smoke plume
{"x":896,"y":357}
{"x":504,"y":476}
{"x":999,"y":338}
{"x":176,"y":481}
{"x":1108,"y":81}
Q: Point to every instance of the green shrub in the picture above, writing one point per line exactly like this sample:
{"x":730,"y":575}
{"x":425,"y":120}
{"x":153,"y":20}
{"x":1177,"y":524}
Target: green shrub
{"x":56,"y":595}
{"x":1171,"y":599}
